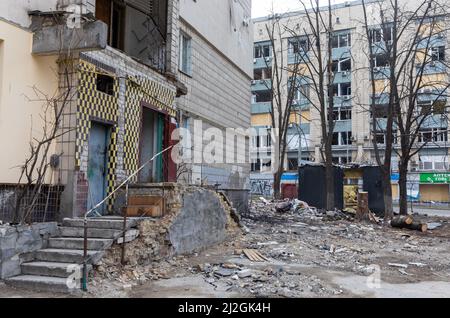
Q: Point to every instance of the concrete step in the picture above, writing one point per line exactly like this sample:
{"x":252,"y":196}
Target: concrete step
{"x":44,"y":283}
{"x":153,"y":211}
{"x":145,"y":200}
{"x":77,"y":243}
{"x":100,"y":223}
{"x":67,"y":256}
{"x":53,"y":269}
{"x":65,"y":231}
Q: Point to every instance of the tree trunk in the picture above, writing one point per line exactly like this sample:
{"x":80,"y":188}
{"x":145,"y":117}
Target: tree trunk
{"x":277,"y":184}
{"x":329,"y":175}
{"x":387,"y":195}
{"x":403,"y":171}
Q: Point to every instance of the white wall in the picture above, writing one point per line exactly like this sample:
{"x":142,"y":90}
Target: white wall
{"x":221,"y":22}
{"x":17,"y":10}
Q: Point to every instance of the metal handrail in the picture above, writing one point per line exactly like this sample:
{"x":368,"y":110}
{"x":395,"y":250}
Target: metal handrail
{"x":124,"y":183}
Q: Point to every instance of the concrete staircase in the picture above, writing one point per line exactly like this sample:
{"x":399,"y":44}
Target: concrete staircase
{"x":58,"y":267}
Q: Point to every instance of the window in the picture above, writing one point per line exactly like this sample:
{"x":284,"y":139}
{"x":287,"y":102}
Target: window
{"x":341,"y":40}
{"x":380,"y":137}
{"x":342,"y":138}
{"x":105,"y":84}
{"x":381,"y":60}
{"x":185,"y":54}
{"x":438,"y":53}
{"x":433,"y":135}
{"x":298,"y":45}
{"x":380,"y":111}
{"x":302,"y":92}
{"x":256,"y":165}
{"x":433,"y":162}
{"x":292,"y":164}
{"x":429,"y":107}
{"x":344,"y":113}
{"x":343,"y":89}
{"x":263,"y":97}
{"x":262,"y":50}
{"x":343,"y":65}
{"x":379,"y":35}
{"x":260,"y":74}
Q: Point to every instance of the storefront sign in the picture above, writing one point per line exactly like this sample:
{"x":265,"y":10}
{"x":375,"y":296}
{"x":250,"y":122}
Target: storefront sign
{"x":442,"y":178}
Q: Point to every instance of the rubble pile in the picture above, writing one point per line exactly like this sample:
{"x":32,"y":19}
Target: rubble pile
{"x":269,"y":280}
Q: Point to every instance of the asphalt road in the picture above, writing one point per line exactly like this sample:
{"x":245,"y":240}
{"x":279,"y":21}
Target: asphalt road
{"x":429,"y":211}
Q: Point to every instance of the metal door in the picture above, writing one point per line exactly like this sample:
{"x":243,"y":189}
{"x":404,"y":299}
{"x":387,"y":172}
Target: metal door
{"x":97,"y":165}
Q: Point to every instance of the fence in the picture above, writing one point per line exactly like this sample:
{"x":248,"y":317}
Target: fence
{"x":45,"y":208}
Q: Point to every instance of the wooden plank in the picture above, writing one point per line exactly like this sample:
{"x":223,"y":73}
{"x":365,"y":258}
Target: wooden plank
{"x":143,"y":211}
{"x":145,"y":200}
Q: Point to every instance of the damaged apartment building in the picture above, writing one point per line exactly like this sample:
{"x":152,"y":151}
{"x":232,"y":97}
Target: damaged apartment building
{"x":124,"y":75}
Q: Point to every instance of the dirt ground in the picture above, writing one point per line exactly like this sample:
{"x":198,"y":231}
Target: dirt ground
{"x":309,"y":254}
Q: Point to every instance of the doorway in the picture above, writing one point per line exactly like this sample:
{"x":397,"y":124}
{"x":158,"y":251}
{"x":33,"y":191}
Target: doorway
{"x":97,"y":165}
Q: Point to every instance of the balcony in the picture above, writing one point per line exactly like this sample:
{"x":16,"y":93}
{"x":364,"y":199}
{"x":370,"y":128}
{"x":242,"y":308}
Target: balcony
{"x":343,"y":125}
{"x":342,"y":77}
{"x":262,"y":62}
{"x":381,"y":73}
{"x":59,"y":38}
{"x":435,"y":121}
{"x":380,"y":99}
{"x":341,"y":53}
{"x":342,"y":101}
{"x":261,"y":108}
{"x":261,"y":85}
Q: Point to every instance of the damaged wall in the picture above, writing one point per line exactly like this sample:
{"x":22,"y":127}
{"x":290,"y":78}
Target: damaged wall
{"x":17,"y":241}
{"x":197,"y":218}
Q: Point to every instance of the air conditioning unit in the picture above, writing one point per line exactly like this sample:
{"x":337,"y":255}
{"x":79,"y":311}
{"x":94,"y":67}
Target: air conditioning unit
{"x":347,"y":97}
{"x":267,"y":58}
{"x":262,"y":82}
{"x":347,"y":3}
{"x":366,"y":138}
{"x":253,"y":82}
{"x":254,"y":61}
{"x":377,"y":69}
{"x":441,"y":36}
{"x":344,"y":73}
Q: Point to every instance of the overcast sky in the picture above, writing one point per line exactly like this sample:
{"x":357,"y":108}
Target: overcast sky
{"x":263,"y":8}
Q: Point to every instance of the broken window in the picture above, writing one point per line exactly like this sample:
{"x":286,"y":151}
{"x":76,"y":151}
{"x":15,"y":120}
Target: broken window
{"x":263,"y":97}
{"x":342,"y":138}
{"x":438,"y":53}
{"x":381,"y":60}
{"x":341,"y":40}
{"x":262,"y":50}
{"x":382,"y":34}
{"x":136,"y":27}
{"x":344,"y":113}
{"x":433,"y":135}
{"x":105,"y":84}
{"x":299,"y":45}
{"x":342,"y":65}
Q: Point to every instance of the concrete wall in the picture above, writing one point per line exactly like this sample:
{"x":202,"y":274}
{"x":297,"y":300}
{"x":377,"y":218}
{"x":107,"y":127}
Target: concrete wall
{"x":221,"y":22}
{"x":17,"y":242}
{"x":219,"y":96}
{"x":201,"y":222}
{"x":20,"y":106}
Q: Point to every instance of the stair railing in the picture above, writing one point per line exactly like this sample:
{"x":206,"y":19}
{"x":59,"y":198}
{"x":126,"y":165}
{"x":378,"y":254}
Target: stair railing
{"x":125,"y":184}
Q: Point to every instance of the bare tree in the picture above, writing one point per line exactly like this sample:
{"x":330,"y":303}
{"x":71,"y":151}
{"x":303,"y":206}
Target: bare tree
{"x":316,"y":28}
{"x":407,"y":43}
{"x":282,"y":90}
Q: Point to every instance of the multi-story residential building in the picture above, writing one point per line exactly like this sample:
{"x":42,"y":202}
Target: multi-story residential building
{"x":352,"y":143}
{"x":126,"y":74}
